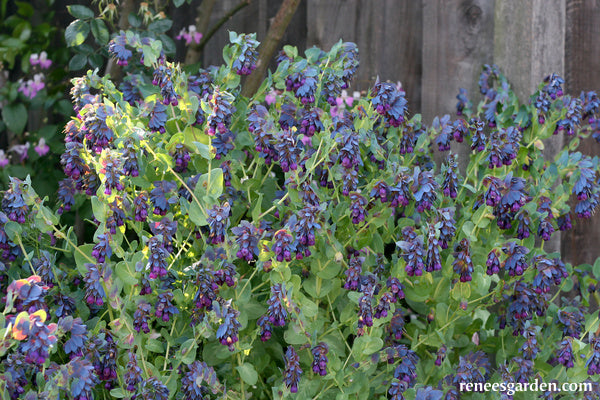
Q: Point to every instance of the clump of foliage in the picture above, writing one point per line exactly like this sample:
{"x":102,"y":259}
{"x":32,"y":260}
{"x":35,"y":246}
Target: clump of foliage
{"x":280,"y":249}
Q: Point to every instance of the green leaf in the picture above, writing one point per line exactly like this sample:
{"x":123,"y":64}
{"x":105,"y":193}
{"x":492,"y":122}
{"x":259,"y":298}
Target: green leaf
{"x":77,"y":32}
{"x":83,"y":255}
{"x":12,"y":229}
{"x":210,"y":184}
{"x":367,"y":344}
{"x":155,"y":346}
{"x":257,"y":208}
{"x":125,"y":275}
{"x":118,"y":393}
{"x":178,"y":3}
{"x":293,"y":335}
{"x":15,"y":117}
{"x":80,"y":12}
{"x":596,"y":268}
{"x":160,"y":26}
{"x":99,"y":30}
{"x":150,"y":55}
{"x":247,"y":373}
{"x":77,"y":62}
{"x":188,"y":351}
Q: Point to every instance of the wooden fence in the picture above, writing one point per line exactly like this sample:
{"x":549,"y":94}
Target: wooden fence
{"x":435,"y":47}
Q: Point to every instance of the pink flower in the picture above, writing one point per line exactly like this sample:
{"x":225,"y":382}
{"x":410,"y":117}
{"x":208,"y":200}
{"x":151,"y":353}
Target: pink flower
{"x":3,"y":159}
{"x":271,"y":97}
{"x":42,"y":148}
{"x":21,"y":151}
{"x":343,"y":101}
{"x":31,"y":87}
{"x":41,"y":60}
{"x":190,"y":35}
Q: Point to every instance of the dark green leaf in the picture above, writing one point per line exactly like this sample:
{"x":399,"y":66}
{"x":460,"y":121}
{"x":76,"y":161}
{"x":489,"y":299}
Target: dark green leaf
{"x":96,"y":60}
{"x":15,"y":117}
{"x":160,"y":26}
{"x":77,"y":32}
{"x":77,"y":62}
{"x":134,"y":20}
{"x":100,"y":31}
{"x":80,"y":12}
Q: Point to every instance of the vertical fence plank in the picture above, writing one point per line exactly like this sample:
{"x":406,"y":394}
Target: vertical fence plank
{"x":457,"y":41}
{"x":529,"y":45}
{"x":388,"y":37}
{"x":582,"y":64}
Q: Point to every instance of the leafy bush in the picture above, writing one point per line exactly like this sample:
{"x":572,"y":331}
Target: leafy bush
{"x":298,"y":247}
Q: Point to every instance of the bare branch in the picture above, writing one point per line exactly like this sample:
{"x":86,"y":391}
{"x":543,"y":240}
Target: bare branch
{"x":269,"y":45}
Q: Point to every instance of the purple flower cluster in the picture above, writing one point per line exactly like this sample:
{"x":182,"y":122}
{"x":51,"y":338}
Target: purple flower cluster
{"x":413,"y":251}
{"x":219,"y":119}
{"x":549,"y":272}
{"x":164,"y":306}
{"x":245,"y":63}
{"x":94,"y":291}
{"x":587,"y":191}
{"x":163,"y":78}
{"x":247,"y":237}
{"x":13,"y":203}
{"x":292,"y":372}
{"x":463,"y":265}
{"x":319,"y":353}
{"x":162,"y":196}
{"x":450,"y":183}
{"x":515,"y":263}
{"x":572,"y":119}
{"x":593,"y":362}
{"x":133,"y":373}
{"x":158,"y":117}
{"x":263,"y":130}
{"x":288,"y":149}
{"x":303,"y":84}
{"x":389,"y":102}
{"x":141,"y":317}
{"x":157,"y":258}
{"x":278,"y":302}
{"x":353,"y":273}
{"x":424,"y":189}
{"x":524,"y":304}
{"x":227,"y":332}
{"x":310,"y":122}
{"x":140,"y":205}
{"x":503,"y":146}
{"x":283,"y":245}
{"x":357,"y":207}
{"x":98,"y":134}
{"x":433,"y":261}
{"x":305,"y":224}
{"x":218,"y":222}
{"x":117,"y":48}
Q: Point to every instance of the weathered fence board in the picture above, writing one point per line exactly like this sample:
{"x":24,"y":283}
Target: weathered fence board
{"x":582,"y":71}
{"x":388,"y":36}
{"x":457,"y":41}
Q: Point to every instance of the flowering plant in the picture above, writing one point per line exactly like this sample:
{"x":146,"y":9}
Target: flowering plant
{"x":242,"y":248}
